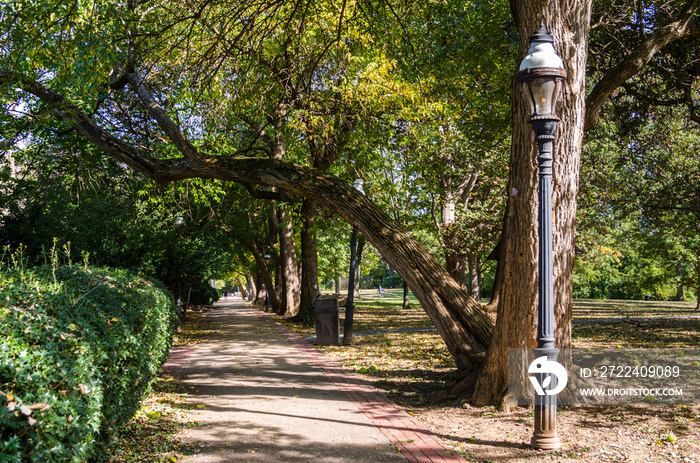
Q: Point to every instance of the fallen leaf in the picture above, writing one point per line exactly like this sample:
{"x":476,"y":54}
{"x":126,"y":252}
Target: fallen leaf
{"x":41,"y":407}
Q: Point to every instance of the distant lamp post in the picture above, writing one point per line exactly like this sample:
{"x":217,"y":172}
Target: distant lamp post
{"x":350,"y":305}
{"x":541,"y":73}
{"x":266,"y":257}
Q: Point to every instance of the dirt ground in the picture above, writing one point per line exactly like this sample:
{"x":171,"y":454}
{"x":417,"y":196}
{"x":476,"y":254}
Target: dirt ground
{"x":639,"y":434}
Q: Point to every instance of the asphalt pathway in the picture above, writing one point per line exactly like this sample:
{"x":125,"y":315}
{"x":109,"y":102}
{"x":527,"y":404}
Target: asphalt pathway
{"x":263,"y":394}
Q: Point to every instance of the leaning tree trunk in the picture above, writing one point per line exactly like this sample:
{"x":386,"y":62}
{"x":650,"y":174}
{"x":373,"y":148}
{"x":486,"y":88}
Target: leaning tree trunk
{"x":309,"y":261}
{"x":568,"y":21}
{"x":463,"y":324}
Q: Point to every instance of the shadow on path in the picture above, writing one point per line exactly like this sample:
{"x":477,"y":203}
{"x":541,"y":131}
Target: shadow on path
{"x":258,"y":392}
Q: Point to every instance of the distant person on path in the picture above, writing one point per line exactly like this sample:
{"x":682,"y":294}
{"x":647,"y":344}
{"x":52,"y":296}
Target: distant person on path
{"x":225,"y":294}
{"x":380,"y":290}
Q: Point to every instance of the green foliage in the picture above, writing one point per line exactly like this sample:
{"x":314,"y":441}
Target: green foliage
{"x":50,"y":396}
{"x":110,"y":331}
{"x":203,"y":294}
{"x":639,"y":199}
{"x":91,"y":206}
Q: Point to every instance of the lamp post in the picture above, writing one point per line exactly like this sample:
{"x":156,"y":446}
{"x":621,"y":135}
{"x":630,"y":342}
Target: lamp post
{"x":266,"y":257}
{"x":541,"y":73}
{"x":349,"y":304}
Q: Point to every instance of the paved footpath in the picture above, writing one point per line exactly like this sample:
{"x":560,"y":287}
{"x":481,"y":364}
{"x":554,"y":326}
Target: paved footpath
{"x":263,"y":394}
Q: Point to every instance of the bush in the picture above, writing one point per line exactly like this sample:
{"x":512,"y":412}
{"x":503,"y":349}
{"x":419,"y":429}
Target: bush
{"x":203,"y":294}
{"x":51,"y":398}
{"x":123,"y":325}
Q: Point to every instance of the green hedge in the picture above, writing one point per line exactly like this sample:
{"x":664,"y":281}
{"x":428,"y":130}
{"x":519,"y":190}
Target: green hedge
{"x":203,"y":294}
{"x":110,"y":333}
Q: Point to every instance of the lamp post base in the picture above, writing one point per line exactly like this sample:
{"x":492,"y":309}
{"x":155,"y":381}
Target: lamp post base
{"x":545,"y":434}
{"x":545,"y":442}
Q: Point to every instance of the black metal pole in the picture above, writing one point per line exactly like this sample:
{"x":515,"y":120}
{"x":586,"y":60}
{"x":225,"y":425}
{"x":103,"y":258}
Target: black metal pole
{"x":545,"y":435}
{"x":350,"y":304}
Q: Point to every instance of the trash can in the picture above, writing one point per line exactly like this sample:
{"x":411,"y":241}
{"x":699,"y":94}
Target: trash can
{"x":327,"y":322}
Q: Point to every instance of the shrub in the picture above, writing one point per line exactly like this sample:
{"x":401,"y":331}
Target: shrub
{"x":203,"y":294}
{"x":50,"y":396}
{"x":123,"y":322}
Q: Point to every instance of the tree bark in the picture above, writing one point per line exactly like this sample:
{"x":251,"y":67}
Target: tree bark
{"x":679,"y":290}
{"x":260,"y":289}
{"x":406,"y":300}
{"x":266,"y":278}
{"x":242,"y":288}
{"x":456,"y":265}
{"x":568,"y":22}
{"x":252,"y":285}
{"x":289,"y":270}
{"x":474,"y":288}
{"x":697,"y":274}
{"x":360,"y":247}
{"x":309,"y":261}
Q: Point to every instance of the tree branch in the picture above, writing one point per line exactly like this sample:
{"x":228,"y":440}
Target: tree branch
{"x":158,"y":113}
{"x":637,"y":59}
{"x":65,"y":111}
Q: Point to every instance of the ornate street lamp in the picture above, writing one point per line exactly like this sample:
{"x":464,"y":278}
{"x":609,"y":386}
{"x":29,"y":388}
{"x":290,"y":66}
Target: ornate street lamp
{"x":541,"y":73}
{"x":350,"y":305}
{"x":266,"y":257}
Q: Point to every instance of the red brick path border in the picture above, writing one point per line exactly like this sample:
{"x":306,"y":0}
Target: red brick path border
{"x":177,"y":359}
{"x":416,"y":443}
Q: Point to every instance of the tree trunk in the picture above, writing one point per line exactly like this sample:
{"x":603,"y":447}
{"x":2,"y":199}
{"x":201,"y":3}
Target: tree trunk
{"x":516,"y":314}
{"x":260,"y":289}
{"x":266,"y":279}
{"x":679,"y":290}
{"x":360,"y":247}
{"x":406,"y":300}
{"x":291,"y":287}
{"x":252,"y":285}
{"x":697,"y":274}
{"x":456,"y":265}
{"x":492,"y":306}
{"x":474,"y":288}
{"x":455,"y":262}
{"x":309,"y":261}
{"x":242,"y":288}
